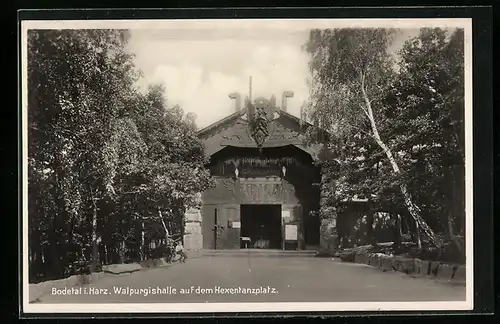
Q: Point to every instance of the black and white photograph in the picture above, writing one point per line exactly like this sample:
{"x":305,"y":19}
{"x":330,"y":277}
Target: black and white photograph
{"x":256,"y":165}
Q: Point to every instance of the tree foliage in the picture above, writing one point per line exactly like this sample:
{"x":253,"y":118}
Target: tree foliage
{"x":396,"y":125}
{"x":106,"y":162}
{"x":424,"y":115}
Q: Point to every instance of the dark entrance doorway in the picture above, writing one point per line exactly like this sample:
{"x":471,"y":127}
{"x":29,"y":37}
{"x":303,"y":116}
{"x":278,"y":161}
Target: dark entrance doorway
{"x":311,"y":225}
{"x":261,"y":226}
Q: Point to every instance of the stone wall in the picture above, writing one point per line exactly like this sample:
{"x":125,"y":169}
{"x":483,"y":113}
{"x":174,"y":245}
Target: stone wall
{"x":413,"y":267}
{"x":193,"y":238}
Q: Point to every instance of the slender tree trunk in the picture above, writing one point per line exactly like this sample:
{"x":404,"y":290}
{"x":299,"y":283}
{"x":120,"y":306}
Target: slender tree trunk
{"x":396,"y":229}
{"x":143,"y":249}
{"x":121,"y":251}
{"x":407,"y":224}
{"x":32,"y":263}
{"x":369,"y":227}
{"x":163,"y":224}
{"x":37,"y":263}
{"x":451,"y":232}
{"x":413,"y":209}
{"x":106,"y":254}
{"x":43,"y":265}
{"x":417,"y":232}
{"x":95,"y":247}
{"x":453,"y":210}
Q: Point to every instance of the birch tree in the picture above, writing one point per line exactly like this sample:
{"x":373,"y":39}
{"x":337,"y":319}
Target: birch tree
{"x":425,"y":112}
{"x":103,"y":158}
{"x":351,"y":70}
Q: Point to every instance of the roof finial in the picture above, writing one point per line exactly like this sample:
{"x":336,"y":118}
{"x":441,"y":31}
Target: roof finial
{"x":284,"y":96}
{"x":237,"y":98}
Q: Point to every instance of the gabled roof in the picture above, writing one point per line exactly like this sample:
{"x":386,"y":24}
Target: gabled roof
{"x":242,"y":112}
{"x":222,"y":121}
{"x":236,"y":119}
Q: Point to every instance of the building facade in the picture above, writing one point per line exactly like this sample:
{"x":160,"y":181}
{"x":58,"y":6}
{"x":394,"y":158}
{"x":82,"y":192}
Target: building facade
{"x":268,"y":187}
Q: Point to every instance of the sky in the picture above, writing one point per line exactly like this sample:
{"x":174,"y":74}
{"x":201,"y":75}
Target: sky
{"x":200,"y":67}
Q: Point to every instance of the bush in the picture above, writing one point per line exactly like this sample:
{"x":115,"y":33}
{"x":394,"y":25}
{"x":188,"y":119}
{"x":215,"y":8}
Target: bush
{"x":406,"y":238}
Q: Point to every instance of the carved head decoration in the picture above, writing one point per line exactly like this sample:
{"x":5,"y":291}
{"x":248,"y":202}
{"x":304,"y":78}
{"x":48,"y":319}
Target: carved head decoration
{"x":260,"y":114}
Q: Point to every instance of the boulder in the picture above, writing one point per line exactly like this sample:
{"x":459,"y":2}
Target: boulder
{"x":445,"y":272}
{"x":359,"y":258}
{"x":147,"y":263}
{"x":419,"y":270}
{"x":122,"y":268}
{"x":433,"y":269}
{"x":407,"y":266}
{"x":347,"y":256}
{"x":375,"y":260}
{"x":386,"y":263}
{"x":367,"y":259}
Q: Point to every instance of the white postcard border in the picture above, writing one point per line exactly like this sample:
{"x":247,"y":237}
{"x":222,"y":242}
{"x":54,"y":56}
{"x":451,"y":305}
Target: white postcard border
{"x":464,"y":23}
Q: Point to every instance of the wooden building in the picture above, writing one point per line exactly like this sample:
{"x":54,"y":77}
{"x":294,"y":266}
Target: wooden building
{"x":267,"y":193}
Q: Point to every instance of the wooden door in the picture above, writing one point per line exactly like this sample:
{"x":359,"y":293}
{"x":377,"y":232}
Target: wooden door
{"x":228,"y":229}
{"x":208,"y":226}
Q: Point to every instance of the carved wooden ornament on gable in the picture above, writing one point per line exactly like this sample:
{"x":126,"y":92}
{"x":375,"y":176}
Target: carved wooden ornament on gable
{"x":260,"y":119}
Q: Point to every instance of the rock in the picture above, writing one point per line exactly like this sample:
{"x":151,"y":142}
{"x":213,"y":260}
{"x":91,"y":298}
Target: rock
{"x":347,"y":256}
{"x":147,"y":263}
{"x":433,"y":268}
{"x":375,"y":260}
{"x":404,"y":265}
{"x":445,"y":271}
{"x":407,"y":266}
{"x":396,"y":263}
{"x":425,"y":268}
{"x":122,"y":268}
{"x":359,"y":258}
{"x":419,"y":269}
{"x":386,"y":264}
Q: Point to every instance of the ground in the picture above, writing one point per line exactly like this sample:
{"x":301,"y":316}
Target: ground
{"x":290,"y":279}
